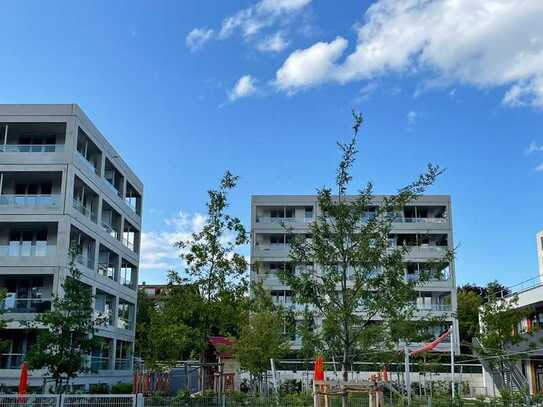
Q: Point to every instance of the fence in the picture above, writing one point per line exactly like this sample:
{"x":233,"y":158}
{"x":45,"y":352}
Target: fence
{"x":70,"y":400}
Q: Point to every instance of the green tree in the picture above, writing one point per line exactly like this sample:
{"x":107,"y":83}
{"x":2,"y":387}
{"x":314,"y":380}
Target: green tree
{"x":217,"y":272}
{"x":146,"y":307}
{"x":66,"y":332}
{"x":262,"y":336}
{"x":3,"y":343}
{"x":469,"y":303}
{"x":347,"y":270}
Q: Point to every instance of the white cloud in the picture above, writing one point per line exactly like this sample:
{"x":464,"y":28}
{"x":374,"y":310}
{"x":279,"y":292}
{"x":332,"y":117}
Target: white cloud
{"x":483,"y":43}
{"x":273,"y":43}
{"x":411,"y":117}
{"x":311,"y":66}
{"x":263,"y":14}
{"x":539,"y":168}
{"x":198,"y":37}
{"x":245,"y":86}
{"x":158,"y":251}
{"x":250,"y":22}
{"x":534,"y":147}
{"x":366,"y":92}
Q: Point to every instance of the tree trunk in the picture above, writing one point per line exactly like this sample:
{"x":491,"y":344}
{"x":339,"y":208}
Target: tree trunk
{"x":345,"y":376}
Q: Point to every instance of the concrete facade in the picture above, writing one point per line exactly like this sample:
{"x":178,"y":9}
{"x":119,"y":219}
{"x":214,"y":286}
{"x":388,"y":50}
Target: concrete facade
{"x":62,"y":183}
{"x":425,"y":225}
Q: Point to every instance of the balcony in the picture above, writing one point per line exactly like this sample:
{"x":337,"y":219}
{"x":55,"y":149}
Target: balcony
{"x":80,"y":207}
{"x":31,"y":148}
{"x":123,"y":364}
{"x":130,"y":237}
{"x":25,"y":201}
{"x":17,"y":305}
{"x":27,"y":250}
{"x":89,"y":154}
{"x":114,"y":178}
{"x":85,"y":261}
{"x":110,"y":231}
{"x":289,"y":216}
{"x":133,"y":198}
{"x":100,"y":363}
{"x":433,"y":307}
{"x":107,"y":270}
{"x":11,"y":360}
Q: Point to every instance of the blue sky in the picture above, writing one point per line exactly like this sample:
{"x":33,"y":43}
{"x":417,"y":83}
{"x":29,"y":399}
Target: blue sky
{"x":185,"y":90}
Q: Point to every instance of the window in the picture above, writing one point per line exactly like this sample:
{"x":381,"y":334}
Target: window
{"x":308,"y":212}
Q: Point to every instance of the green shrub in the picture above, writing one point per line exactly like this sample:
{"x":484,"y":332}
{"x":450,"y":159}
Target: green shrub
{"x":121,"y":388}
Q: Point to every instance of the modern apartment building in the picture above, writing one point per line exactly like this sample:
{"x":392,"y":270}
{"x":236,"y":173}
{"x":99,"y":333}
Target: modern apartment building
{"x":62,"y":183}
{"x":425,"y":226}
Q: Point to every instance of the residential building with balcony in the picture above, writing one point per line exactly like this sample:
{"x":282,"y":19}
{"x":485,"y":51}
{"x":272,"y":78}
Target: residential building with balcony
{"x":425,"y":226}
{"x":63,"y":184}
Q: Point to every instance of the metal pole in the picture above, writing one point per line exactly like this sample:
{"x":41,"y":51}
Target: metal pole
{"x":407,"y":374}
{"x":452,"y":360}
{"x":5,"y":137}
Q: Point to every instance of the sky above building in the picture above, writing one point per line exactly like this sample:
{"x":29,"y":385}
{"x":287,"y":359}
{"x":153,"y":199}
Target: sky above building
{"x":187,"y":89}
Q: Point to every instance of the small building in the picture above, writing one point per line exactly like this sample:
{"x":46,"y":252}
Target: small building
{"x":226,"y":364}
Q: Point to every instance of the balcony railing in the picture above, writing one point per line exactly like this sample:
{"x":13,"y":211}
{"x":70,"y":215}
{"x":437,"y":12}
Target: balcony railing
{"x":100,"y":363}
{"x":11,"y":360}
{"x":31,"y":148}
{"x":268,"y":219}
{"x":107,"y":270}
{"x":26,"y":305}
{"x":87,"y":163}
{"x":24,"y":250}
{"x":400,"y":219}
{"x":122,"y":364}
{"x":433,"y":307}
{"x":78,"y":205}
{"x":15,"y":201}
{"x":113,"y":188}
{"x":110,"y":231}
{"x":84,"y":261}
{"x":128,"y":244}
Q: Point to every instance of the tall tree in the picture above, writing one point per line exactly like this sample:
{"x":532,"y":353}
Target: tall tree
{"x":347,"y":270}
{"x":215,"y":267}
{"x":66,"y":332}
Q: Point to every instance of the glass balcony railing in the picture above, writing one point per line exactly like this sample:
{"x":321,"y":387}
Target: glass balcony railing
{"x":78,"y":205}
{"x":26,"y":305}
{"x":87,"y":163}
{"x":11,"y":360}
{"x":128,"y":243}
{"x":123,"y":364}
{"x":16,"y":201}
{"x":31,"y":148}
{"x":99,"y":363}
{"x":433,"y":307}
{"x":113,"y":188}
{"x":27,"y":250}
{"x":84,"y":261}
{"x":107,"y":270}
{"x":400,"y":219}
{"x":110,"y":231}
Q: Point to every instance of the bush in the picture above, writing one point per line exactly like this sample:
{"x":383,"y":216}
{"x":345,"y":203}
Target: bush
{"x":121,"y":388}
{"x":99,"y":388}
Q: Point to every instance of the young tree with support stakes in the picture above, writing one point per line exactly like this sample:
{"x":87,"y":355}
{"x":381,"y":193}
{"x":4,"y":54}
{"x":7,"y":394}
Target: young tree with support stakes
{"x":66,"y":332}
{"x":347,"y":271}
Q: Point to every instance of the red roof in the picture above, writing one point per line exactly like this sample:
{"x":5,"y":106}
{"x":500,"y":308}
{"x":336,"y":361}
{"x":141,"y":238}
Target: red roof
{"x":220,"y":343}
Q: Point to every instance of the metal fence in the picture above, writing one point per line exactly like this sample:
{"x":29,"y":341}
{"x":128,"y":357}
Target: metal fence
{"x":69,"y":400}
